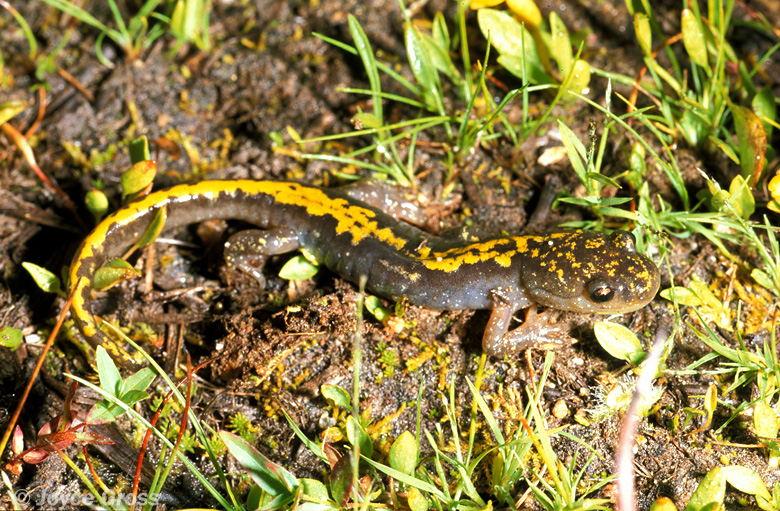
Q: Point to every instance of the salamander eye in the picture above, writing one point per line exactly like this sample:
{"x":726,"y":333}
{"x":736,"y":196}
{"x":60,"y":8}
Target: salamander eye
{"x":599,"y":291}
{"x":624,"y":240}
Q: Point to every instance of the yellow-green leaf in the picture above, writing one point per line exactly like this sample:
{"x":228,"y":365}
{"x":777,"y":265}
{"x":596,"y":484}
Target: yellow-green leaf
{"x":711,"y":490}
{"x":46,"y":280}
{"x":417,"y":500}
{"x":752,"y":142}
{"x":10,"y":109}
{"x":663,"y":504}
{"x":682,"y":296}
{"x":480,"y":4}
{"x":765,"y":421}
{"x":619,"y":341}
{"x":138,"y":177}
{"x":579,"y":78}
{"x":155,"y":228}
{"x":515,"y":44}
{"x":643,"y":33}
{"x":693,"y":38}
{"x":336,"y":396}
{"x":561,"y":44}
{"x":358,"y":437}
{"x":764,"y":106}
{"x":746,"y":481}
{"x":741,"y":198}
{"x":314,"y":488}
{"x":403,"y":453}
{"x":10,"y":337}
{"x":114,"y":272}
{"x":298,"y":268}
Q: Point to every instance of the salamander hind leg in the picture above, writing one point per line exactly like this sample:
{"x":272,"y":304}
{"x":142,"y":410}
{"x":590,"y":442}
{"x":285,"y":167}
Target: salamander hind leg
{"x":535,"y":331}
{"x":248,"y":250}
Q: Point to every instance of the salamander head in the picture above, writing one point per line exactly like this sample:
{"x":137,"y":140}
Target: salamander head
{"x":590,"y":272}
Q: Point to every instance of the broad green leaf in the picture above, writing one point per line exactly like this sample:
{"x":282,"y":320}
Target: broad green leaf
{"x":337,"y":396}
{"x":314,"y":488}
{"x":110,"y":379}
{"x":764,"y":106}
{"x":762,"y":277}
{"x":46,"y":280}
{"x":741,"y":198}
{"x":137,"y":382}
{"x":114,"y":272}
{"x":422,"y":66}
{"x":403,"y":453}
{"x":156,"y":226}
{"x":711,"y":490}
{"x":440,"y":58}
{"x":636,"y":159}
{"x":10,"y":337}
{"x":417,"y":500}
{"x":619,"y":341}
{"x":254,"y":499}
{"x":298,"y":268}
{"x":440,"y":32}
{"x":752,"y":142}
{"x":103,"y":411}
{"x":271,"y":477}
{"x":693,"y":39}
{"x":746,"y":481}
{"x":358,"y":437}
{"x":510,"y":38}
{"x":138,"y":178}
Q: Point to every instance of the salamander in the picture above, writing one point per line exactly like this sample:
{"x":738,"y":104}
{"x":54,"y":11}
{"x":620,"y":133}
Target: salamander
{"x":581,"y":271}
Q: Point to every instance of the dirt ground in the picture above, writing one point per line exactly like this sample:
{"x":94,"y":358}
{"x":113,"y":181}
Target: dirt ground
{"x":276,"y":347}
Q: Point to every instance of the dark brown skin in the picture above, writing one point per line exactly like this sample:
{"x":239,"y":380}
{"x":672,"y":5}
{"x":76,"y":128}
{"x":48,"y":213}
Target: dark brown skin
{"x":579,"y":271}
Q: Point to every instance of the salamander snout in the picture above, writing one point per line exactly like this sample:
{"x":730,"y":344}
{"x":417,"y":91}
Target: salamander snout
{"x":593,"y":272}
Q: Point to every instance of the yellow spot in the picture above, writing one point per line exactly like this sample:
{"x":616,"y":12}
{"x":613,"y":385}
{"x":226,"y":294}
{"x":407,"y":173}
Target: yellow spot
{"x":505,"y":259}
{"x":452,"y":259}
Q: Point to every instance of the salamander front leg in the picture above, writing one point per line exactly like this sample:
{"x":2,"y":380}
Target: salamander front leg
{"x":534,"y":332}
{"x":247,"y":250}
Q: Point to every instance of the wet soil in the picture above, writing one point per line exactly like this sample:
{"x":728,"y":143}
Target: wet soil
{"x":272,"y":349}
